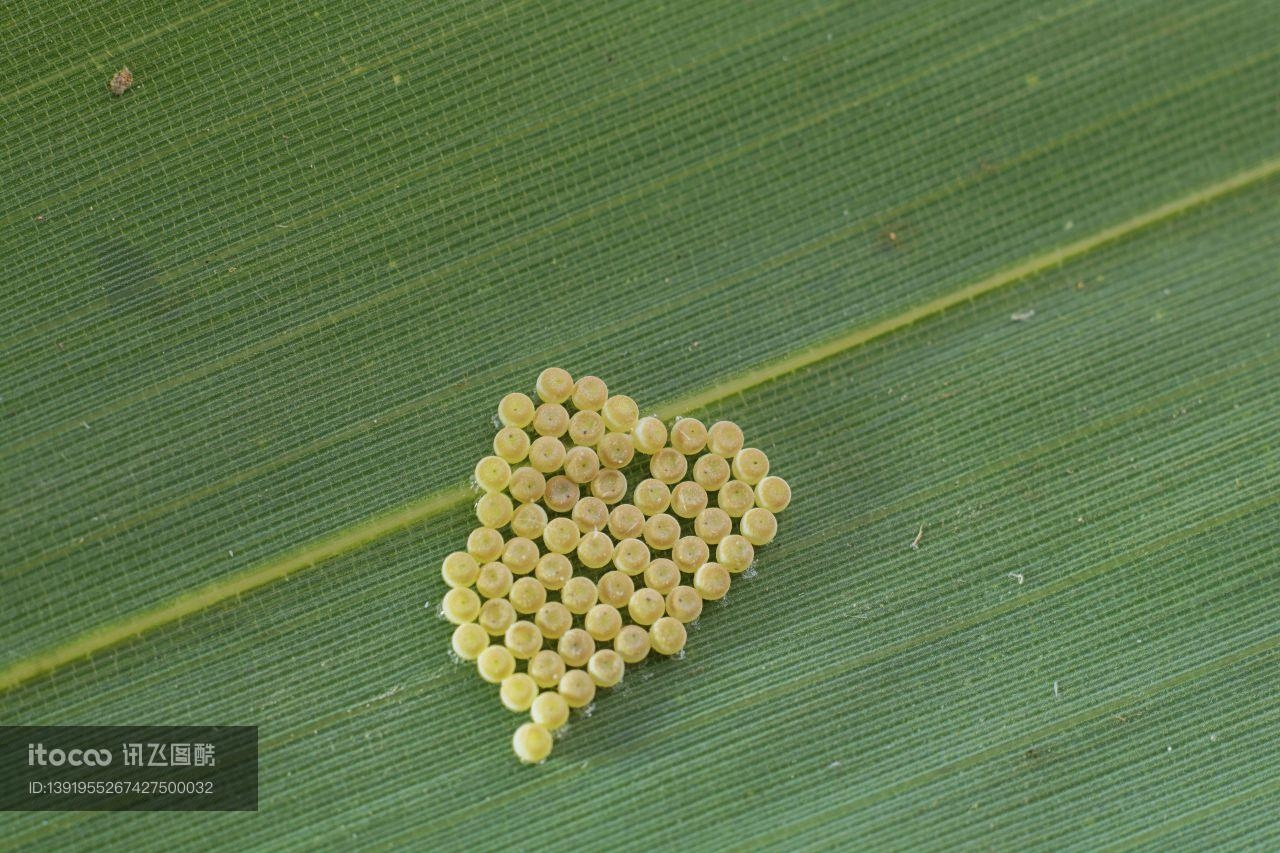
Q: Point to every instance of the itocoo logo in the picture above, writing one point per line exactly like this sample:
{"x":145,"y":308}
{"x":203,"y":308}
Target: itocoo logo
{"x":37,"y":755}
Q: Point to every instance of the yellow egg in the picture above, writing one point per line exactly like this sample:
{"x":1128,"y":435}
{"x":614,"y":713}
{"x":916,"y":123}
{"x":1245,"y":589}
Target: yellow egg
{"x":560,"y":535}
{"x":485,"y":544}
{"x":712,"y":525}
{"x":631,"y":556}
{"x":527,"y":485}
{"x":550,"y":710}
{"x":590,"y":514}
{"x":581,"y":465}
{"x":577,"y":688}
{"x":460,"y":604}
{"x":546,"y":668}
{"x":547,"y":453}
{"x":532,"y":743}
{"x":651,"y":496}
{"x":626,"y":522}
{"x":523,"y":640}
{"x":590,"y":393}
{"x":711,"y":580}
{"x":496,"y":616}
{"x":609,"y":486}
{"x":459,"y":569}
{"x":518,"y":691}
{"x":551,"y":419}
{"x":528,"y":521}
{"x":632,"y":644}
{"x":689,"y":553}
{"x":515,"y":410}
{"x":750,"y":465}
{"x":661,"y":531}
{"x":735,"y":553}
{"x":495,"y":663}
{"x":520,"y":555}
{"x":615,"y":450}
{"x":689,"y":436}
{"x":586,"y":428}
{"x":576,"y":646}
{"x":684,"y":603}
{"x":724,"y":438}
{"x":511,"y":444}
{"x":620,"y":413}
{"x":562,"y":493}
{"x":494,"y":510}
{"x":666,"y":637}
{"x":688,"y":499}
{"x":492,"y":473}
{"x":578,"y":594}
{"x":595,"y":550}
{"x":668,"y":465}
{"x":649,"y":435}
{"x":759,"y":526}
{"x":711,"y":471}
{"x":603,"y":622}
{"x":553,"y":619}
{"x":527,"y":595}
{"x":553,"y":570}
{"x":469,"y":640}
{"x":554,"y":385}
{"x":773,"y":494}
{"x":646,"y":606}
{"x":606,"y":668}
{"x":736,"y":497}
{"x":494,"y":580}
{"x":662,"y":576}
{"x":615,"y":588}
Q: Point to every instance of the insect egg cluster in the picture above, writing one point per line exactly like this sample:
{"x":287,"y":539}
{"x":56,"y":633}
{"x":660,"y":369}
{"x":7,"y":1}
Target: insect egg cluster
{"x":601,"y":533}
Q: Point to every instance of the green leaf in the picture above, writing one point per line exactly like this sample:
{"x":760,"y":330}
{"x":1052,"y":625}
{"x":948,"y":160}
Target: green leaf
{"x":259,"y":309}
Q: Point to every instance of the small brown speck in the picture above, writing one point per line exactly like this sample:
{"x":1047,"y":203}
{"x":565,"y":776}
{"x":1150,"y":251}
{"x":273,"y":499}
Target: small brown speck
{"x":39,"y":217}
{"x":120,"y":82}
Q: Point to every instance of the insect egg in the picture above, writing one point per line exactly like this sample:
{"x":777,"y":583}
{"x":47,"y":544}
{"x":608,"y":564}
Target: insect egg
{"x":576,"y":647}
{"x":523,"y":639}
{"x":649,"y":435}
{"x":688,"y":499}
{"x":595,"y":550}
{"x":528,"y":521}
{"x":661,"y":531}
{"x":666,"y":636}
{"x":520,"y":555}
{"x":494,"y":510}
{"x":527,"y":595}
{"x":615,"y":450}
{"x":668,"y":465}
{"x":492,"y":473}
{"x":651,"y":496}
{"x":553,"y":570}
{"x":620,"y":413}
{"x":553,"y":619}
{"x":561,"y":494}
{"x":459,"y":569}
{"x":495,"y":663}
{"x":518,"y":691}
{"x":554,"y":385}
{"x":578,"y":594}
{"x":469,"y":640}
{"x":724,"y":439}
{"x":711,"y":471}
{"x":577,"y":688}
{"x":630,"y":556}
{"x":527,"y":485}
{"x":689,"y":553}
{"x":609,"y":486}
{"x":560,"y":535}
{"x":494,"y":580}
{"x":460,"y":604}
{"x":626,"y":521}
{"x":615,"y":588}
{"x":712,"y":525}
{"x":603,"y":622}
{"x":484,"y":544}
{"x":759,"y":526}
{"x":711,"y":580}
{"x":511,"y":444}
{"x":496,"y":616}
{"x":515,"y":410}
{"x":750,"y":465}
{"x":546,"y":668}
{"x":632,"y":643}
{"x":590,"y":393}
{"x":120,"y":82}
{"x":590,"y":514}
{"x":684,"y":603}
{"x":646,"y":606}
{"x":551,"y":419}
{"x":736,"y":497}
{"x":550,"y":710}
{"x":773,"y":494}
{"x":606,"y":668}
{"x":586,"y":428}
{"x":581,"y":465}
{"x":689,"y":436}
{"x":735,"y":553}
{"x":662,"y":576}
{"x":532,"y":743}
{"x":547,"y":453}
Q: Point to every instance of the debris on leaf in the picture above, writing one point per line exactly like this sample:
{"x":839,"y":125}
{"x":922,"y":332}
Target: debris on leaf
{"x":1022,"y":316}
{"x":121,"y":82}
